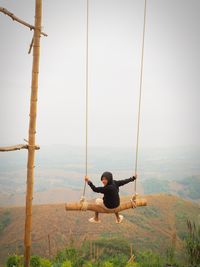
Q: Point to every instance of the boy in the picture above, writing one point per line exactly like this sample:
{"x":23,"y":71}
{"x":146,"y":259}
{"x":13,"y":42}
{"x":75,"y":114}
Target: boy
{"x":110,"y":190}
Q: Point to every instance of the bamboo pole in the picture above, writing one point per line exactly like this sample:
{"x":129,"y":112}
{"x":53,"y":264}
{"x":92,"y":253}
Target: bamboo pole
{"x":32,"y":132}
{"x":96,"y":208}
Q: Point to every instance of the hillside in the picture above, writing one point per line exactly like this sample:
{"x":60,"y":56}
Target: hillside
{"x":188,"y":188}
{"x":146,"y":227}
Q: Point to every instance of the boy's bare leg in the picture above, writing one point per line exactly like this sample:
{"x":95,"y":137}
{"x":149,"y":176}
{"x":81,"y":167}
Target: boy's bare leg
{"x":96,"y":216}
{"x":95,"y":219}
{"x":119,"y":218}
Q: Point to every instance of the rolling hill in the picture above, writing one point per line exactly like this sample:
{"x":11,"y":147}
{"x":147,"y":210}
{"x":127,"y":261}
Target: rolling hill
{"x":188,"y":188}
{"x":150,"y":227}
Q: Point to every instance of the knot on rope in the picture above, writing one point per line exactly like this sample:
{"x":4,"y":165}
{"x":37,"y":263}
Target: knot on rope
{"x":82,"y":199}
{"x":84,"y":203}
{"x":84,"y":206}
{"x":133,"y":201}
{"x":134,"y":197}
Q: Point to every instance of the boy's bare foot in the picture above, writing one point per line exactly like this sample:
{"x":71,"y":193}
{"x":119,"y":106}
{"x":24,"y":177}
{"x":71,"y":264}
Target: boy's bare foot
{"x":119,"y":218}
{"x":94,"y":220}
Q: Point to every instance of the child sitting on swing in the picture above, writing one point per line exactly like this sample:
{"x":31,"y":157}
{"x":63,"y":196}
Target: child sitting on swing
{"x":110,"y":189}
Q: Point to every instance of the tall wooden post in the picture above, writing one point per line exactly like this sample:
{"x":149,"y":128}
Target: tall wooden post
{"x":131,"y":250}
{"x":32,"y":132}
{"x":132,"y":257}
{"x":49,"y":245}
{"x":91,"y":246}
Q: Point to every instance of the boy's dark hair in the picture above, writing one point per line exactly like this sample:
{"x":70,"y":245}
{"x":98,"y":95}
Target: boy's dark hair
{"x":108,"y":176}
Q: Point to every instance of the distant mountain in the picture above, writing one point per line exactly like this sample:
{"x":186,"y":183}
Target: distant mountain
{"x":150,"y":227}
{"x":60,"y":171}
{"x":188,"y":188}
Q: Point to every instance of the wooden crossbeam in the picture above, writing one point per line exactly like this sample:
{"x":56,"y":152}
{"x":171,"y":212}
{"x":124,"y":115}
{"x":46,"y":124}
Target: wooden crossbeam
{"x":83,"y":206}
{"x":13,"y":17}
{"x":16,"y":147}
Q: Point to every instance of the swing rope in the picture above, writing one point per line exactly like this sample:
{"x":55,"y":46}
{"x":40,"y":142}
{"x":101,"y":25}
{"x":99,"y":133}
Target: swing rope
{"x":140,"y":94}
{"x":87,"y":89}
{"x":86,"y":96}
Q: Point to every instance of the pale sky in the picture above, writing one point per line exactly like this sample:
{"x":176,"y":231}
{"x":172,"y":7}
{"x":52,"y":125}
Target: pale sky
{"x":170,"y":105}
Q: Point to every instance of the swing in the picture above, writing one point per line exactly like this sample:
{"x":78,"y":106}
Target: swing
{"x":134,"y":202}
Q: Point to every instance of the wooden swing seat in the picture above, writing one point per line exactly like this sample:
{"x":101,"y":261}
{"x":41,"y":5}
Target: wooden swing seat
{"x":84,"y":206}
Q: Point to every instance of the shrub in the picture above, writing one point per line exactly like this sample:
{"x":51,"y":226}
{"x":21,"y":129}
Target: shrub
{"x":113,"y":246}
{"x":66,"y":263}
{"x":132,"y":264}
{"x":108,"y":264}
{"x":149,"y":259}
{"x":45,"y":263}
{"x":87,"y":264}
{"x":120,"y":260}
{"x":35,"y":261}
{"x":14,"y":260}
{"x":69,"y":254}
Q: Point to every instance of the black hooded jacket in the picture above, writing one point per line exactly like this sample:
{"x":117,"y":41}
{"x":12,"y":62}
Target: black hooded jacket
{"x":111,"y":191}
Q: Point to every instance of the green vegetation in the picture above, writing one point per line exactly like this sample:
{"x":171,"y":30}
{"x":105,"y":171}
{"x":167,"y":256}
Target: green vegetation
{"x":116,"y":253}
{"x":15,"y":260}
{"x":150,"y":212}
{"x":156,"y":186}
{"x":171,"y":252}
{"x":67,"y":256}
{"x":115,"y":245}
{"x":4,"y":220}
{"x":193,"y":244}
{"x":144,"y":259}
{"x":188,"y":187}
{"x":181,"y":215}
{"x":192,"y":187}
{"x":36,"y":261}
{"x":149,"y":259}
